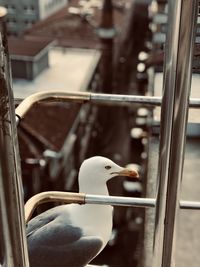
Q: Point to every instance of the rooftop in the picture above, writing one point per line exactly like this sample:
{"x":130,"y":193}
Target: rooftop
{"x":69,"y":69}
{"x":75,"y":25}
{"x":26,"y":47}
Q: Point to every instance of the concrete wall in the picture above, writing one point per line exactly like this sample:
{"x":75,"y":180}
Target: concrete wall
{"x":48,"y":7}
{"x":29,"y":69}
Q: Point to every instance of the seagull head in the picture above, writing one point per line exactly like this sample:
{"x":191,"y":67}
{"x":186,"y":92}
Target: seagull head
{"x":96,"y":171}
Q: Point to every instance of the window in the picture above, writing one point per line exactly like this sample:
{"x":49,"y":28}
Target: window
{"x":29,"y":9}
{"x":11,"y":8}
{"x":28,"y":23}
{"x":11,"y":21}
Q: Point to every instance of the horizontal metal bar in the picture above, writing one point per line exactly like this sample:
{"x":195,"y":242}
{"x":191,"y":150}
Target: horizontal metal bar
{"x":134,"y":202}
{"x":89,"y":265}
{"x":124,"y":100}
{"x":96,"y":98}
{"x":81,"y":198}
{"x":127,"y":100}
{"x":194,"y":103}
{"x":120,"y":201}
{"x":190,"y":205}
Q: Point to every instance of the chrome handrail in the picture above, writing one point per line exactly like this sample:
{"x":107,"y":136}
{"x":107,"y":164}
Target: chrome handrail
{"x":94,"y":98}
{"x":81,"y":198}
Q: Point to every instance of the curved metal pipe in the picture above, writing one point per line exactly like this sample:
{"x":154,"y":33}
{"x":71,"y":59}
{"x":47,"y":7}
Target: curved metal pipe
{"x":51,"y":196}
{"x":95,"y":98}
{"x":81,"y":198}
{"x":28,"y":102}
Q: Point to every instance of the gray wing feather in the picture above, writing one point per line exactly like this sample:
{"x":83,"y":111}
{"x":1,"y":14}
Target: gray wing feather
{"x":53,"y":241}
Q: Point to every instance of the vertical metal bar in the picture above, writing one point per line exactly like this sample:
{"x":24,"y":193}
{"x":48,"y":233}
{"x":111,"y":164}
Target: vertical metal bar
{"x":13,"y":241}
{"x":106,"y":33}
{"x":182,"y":17}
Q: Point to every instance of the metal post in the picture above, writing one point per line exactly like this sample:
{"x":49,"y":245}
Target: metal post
{"x":13,"y":241}
{"x":182,"y":17}
{"x":106,"y":33}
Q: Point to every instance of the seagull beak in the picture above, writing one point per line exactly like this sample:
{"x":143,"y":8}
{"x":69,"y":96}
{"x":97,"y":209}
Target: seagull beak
{"x":128,"y":173}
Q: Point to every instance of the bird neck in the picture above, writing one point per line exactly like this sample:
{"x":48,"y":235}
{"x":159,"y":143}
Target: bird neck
{"x":97,"y":189}
{"x":96,"y":220}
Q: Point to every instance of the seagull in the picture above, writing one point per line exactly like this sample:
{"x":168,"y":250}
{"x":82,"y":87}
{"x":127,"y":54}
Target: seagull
{"x":72,"y":235}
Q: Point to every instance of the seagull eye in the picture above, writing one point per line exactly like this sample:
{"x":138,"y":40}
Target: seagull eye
{"x":107,"y":167}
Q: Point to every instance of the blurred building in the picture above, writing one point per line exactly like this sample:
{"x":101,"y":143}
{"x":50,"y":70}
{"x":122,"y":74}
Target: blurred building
{"x":28,"y":57}
{"x":23,"y":14}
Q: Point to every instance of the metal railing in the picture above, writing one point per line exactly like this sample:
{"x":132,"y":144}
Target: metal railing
{"x":174,"y":106}
{"x":181,"y":32}
{"x":81,"y":198}
{"x":13,"y":243}
{"x":93,"y":98}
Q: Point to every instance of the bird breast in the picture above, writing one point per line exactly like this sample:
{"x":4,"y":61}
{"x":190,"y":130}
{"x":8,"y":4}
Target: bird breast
{"x":95,"y":220}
